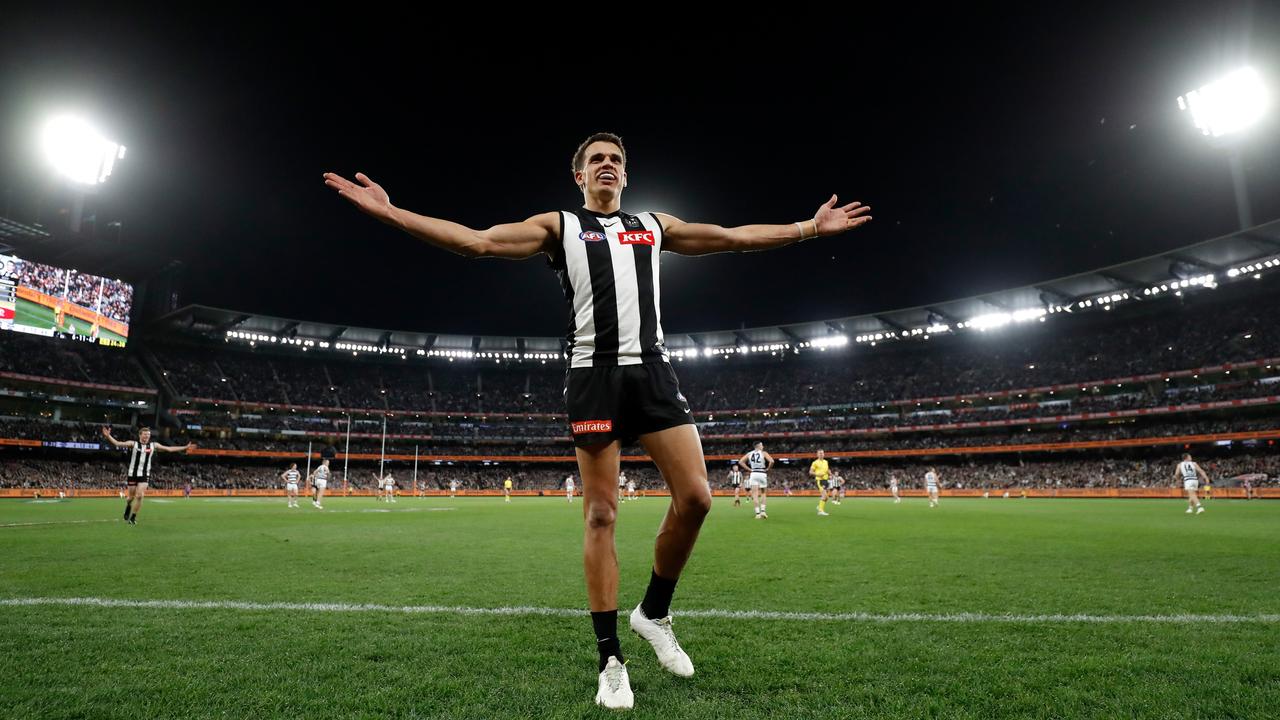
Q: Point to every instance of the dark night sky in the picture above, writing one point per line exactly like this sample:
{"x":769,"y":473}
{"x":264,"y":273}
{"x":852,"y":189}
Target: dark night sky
{"x":996,"y":151}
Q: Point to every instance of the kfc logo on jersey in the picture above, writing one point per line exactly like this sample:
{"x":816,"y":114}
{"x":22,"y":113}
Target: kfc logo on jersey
{"x":642,"y":237}
{"x":591,"y":236}
{"x":592,"y":426}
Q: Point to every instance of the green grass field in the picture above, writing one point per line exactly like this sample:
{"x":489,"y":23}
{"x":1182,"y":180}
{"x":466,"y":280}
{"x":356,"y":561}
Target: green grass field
{"x":36,"y":315}
{"x":1113,"y":560}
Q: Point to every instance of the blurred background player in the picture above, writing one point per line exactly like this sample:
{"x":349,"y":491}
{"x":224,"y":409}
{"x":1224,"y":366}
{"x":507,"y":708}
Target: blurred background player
{"x":568,"y":488}
{"x":735,"y":482}
{"x":631,"y":490}
{"x":389,"y":488}
{"x":138,"y":472}
{"x":931,"y":484}
{"x":622,"y":485}
{"x":837,"y":486}
{"x":453,"y":488}
{"x":893,"y":488}
{"x":60,"y":316}
{"x":506,"y":489}
{"x":319,"y":480}
{"x":820,"y":471}
{"x":1191,"y":474}
{"x":290,"y":478}
{"x":758,"y":462}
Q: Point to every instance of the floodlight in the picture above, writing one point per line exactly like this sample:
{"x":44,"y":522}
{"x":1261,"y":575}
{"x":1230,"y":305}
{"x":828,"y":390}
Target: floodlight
{"x":1228,"y":105}
{"x":79,"y":152}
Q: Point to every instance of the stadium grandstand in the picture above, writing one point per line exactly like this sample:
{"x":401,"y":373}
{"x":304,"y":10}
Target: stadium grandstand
{"x":1086,"y":383}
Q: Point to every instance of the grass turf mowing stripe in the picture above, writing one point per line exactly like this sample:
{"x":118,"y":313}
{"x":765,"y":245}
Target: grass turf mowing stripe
{"x":569,"y":612}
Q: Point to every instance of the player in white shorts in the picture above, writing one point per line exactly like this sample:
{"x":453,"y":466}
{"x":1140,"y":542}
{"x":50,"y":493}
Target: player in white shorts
{"x":290,"y":478}
{"x":837,"y":486}
{"x":758,"y":463}
{"x":931,"y":484}
{"x":893,"y":488}
{"x":568,"y":488}
{"x":389,"y":488}
{"x":319,"y":480}
{"x":453,"y":488}
{"x":1191,"y":474}
{"x":622,"y":486}
{"x":631,"y":490}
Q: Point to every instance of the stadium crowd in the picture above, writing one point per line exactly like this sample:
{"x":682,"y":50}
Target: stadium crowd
{"x":81,"y":288}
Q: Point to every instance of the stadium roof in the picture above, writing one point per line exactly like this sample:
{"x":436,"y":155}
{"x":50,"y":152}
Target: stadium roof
{"x":1204,"y":264}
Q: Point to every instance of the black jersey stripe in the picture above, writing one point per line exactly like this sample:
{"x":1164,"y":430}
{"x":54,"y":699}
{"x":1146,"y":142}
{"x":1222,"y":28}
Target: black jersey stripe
{"x":604,"y":294}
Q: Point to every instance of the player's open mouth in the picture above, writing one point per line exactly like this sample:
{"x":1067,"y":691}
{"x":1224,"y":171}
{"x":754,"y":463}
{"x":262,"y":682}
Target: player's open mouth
{"x":607,"y":176}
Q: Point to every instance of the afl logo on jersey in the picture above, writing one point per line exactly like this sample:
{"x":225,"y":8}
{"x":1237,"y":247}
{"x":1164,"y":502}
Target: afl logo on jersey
{"x":591,"y":236}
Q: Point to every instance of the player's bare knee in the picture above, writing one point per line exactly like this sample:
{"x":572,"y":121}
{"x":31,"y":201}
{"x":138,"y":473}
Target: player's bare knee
{"x":601,"y":516}
{"x":694,"y":506}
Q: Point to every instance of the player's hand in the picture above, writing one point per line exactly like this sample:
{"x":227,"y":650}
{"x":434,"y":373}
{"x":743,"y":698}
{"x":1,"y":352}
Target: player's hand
{"x":367,"y":195}
{"x":190,"y":447}
{"x":832,"y":220}
{"x":106,"y":432}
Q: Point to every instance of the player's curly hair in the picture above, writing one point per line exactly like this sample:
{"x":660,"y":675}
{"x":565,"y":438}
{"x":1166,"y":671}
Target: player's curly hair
{"x":580,"y":155}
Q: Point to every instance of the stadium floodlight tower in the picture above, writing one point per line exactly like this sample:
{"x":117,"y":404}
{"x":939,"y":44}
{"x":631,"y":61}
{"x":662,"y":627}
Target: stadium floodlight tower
{"x":1223,"y":110}
{"x":80,"y":154}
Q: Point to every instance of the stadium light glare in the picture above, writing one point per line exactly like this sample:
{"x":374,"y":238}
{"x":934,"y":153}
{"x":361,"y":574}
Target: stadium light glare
{"x":79,"y":152}
{"x":1228,"y":105}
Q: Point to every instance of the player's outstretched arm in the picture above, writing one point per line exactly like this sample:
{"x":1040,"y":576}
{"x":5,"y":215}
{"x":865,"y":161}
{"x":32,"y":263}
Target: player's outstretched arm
{"x":106,"y":433}
{"x":174,"y":448}
{"x":515,"y":241}
{"x":702,"y":239}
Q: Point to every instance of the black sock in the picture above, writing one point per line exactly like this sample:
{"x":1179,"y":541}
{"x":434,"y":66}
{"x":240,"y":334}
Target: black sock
{"x":657,"y":599}
{"x":127,"y":508}
{"x":606,"y":627}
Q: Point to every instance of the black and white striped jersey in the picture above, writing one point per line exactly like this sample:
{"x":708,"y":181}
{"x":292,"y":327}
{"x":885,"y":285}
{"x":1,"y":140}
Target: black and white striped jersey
{"x":140,"y":459}
{"x":608,"y":268}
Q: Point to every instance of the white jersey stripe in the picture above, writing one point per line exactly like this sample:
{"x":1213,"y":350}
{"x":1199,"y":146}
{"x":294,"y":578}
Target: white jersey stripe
{"x":656,"y":261}
{"x":582,"y":341}
{"x":626,"y":292}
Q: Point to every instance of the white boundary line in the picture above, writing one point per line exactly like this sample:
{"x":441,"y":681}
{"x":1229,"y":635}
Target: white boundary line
{"x":518,"y":611}
{"x":55,"y":522}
